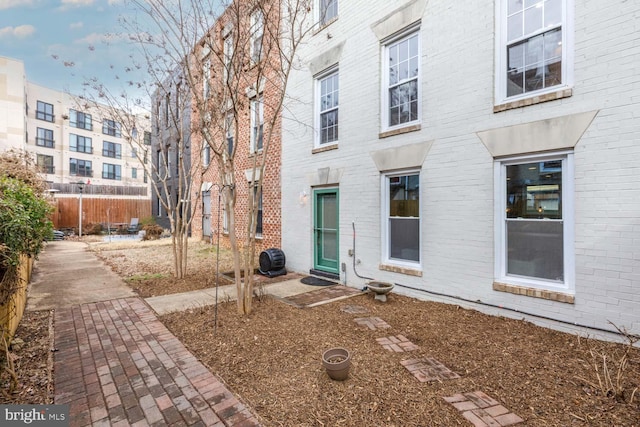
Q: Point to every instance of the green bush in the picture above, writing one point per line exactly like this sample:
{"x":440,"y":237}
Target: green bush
{"x":24,"y":221}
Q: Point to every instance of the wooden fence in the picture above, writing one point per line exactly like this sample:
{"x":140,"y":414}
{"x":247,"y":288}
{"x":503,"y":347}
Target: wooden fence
{"x":98,"y":211}
{"x":11,"y":312}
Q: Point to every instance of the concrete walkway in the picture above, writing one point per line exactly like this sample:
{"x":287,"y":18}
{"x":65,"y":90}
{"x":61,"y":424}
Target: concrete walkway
{"x":177,"y":302}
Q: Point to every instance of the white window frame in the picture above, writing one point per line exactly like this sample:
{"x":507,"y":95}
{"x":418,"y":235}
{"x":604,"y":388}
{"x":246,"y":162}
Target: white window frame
{"x":257,"y":115}
{"x":386,"y":256}
{"x":228,"y":57}
{"x":206,"y":77}
{"x":501,"y":55}
{"x":330,"y":72}
{"x":386,"y":43}
{"x":568,"y":218}
{"x":206,"y":154}
{"x":322,"y":7}
{"x":257,"y":33}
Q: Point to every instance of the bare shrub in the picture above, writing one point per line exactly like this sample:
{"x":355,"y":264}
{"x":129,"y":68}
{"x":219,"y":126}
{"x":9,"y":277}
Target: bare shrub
{"x":152,"y":232}
{"x":609,"y":365}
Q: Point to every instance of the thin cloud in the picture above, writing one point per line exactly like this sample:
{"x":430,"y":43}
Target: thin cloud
{"x":77,"y":2}
{"x":76,"y":25}
{"x":8,"y":4}
{"x":70,"y":4}
{"x":19,"y":32}
{"x":96,"y":38}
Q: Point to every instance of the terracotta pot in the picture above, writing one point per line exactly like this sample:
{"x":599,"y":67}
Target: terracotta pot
{"x":337,"y":362}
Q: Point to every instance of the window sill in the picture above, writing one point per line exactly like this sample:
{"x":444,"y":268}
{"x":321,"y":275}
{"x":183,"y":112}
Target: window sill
{"x":552,"y":96}
{"x":324,"y":148}
{"x":401,"y":270}
{"x":400,"y":131}
{"x":534,"y":292}
{"x":325,"y":25}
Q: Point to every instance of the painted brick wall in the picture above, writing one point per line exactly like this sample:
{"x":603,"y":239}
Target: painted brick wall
{"x":457,"y":188}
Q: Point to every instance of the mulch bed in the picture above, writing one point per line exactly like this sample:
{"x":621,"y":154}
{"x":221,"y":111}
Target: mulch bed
{"x":272,"y":359}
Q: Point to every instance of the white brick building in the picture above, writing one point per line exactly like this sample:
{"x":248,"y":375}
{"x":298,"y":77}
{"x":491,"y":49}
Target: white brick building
{"x":495,"y":158}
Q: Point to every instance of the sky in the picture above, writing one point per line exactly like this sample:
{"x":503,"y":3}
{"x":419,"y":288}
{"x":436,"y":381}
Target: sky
{"x":65,"y":42}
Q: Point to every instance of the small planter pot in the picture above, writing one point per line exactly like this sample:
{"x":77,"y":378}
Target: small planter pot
{"x":337,"y":362}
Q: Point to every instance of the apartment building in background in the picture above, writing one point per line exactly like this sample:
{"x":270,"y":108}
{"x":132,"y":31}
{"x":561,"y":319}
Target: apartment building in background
{"x":477,"y":153}
{"x":74,"y":141}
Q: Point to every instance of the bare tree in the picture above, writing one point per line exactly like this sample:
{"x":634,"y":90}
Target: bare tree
{"x":222,"y":61}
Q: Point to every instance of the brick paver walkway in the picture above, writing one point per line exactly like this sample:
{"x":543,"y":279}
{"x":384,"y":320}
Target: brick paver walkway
{"x":482,"y":410}
{"x":117,"y":364}
{"x":397,"y":344}
{"x":428,"y":369}
{"x":372,"y":323}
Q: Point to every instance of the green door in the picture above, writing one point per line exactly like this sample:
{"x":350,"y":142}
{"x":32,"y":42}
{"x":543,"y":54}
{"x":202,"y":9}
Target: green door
{"x":325,"y":230}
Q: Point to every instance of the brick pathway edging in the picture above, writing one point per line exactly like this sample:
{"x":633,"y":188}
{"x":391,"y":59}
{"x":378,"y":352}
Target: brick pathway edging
{"x":117,"y":364}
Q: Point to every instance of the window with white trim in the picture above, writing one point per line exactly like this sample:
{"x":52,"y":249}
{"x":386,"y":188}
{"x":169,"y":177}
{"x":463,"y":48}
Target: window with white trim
{"x":533,"y":47}
{"x":327,"y":94}
{"x":535,"y":221}
{"x":401,"y":215}
{"x":206,"y":78}
{"x":229,"y":132}
{"x":257,"y":124}
{"x":206,"y":154}
{"x":327,"y":11}
{"x":228,"y":56}
{"x":257,"y":32}
{"x":401,"y":80}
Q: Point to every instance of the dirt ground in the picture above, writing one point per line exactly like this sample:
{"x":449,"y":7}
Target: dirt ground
{"x":272,"y":358}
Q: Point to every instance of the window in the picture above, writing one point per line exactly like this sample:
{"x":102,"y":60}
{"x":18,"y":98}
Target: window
{"x":206,"y":77}
{"x":401,"y":95}
{"x":228,"y":58}
{"x":536,"y":221}
{"x":532,"y":46}
{"x":178,"y":100}
{"x":159,"y":206}
{"x":206,"y":154}
{"x":134,"y":173}
{"x":327,"y":11}
{"x":327,"y":95}
{"x":257,"y":30}
{"x":111,"y":149}
{"x":167,"y":106}
{"x":257,"y":124}
{"x":229,"y":125}
{"x":257,"y":204}
{"x":44,"y":138}
{"x":225,"y":219}
{"x":45,"y":163}
{"x":44,"y":111}
{"x":145,"y":178}
{"x":134,"y":152}
{"x":110,"y":127}
{"x":110,"y":171}
{"x":79,"y":167}
{"x":402,"y":218}
{"x":147,"y":138}
{"x":81,"y":144}
{"x":80,"y":120}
